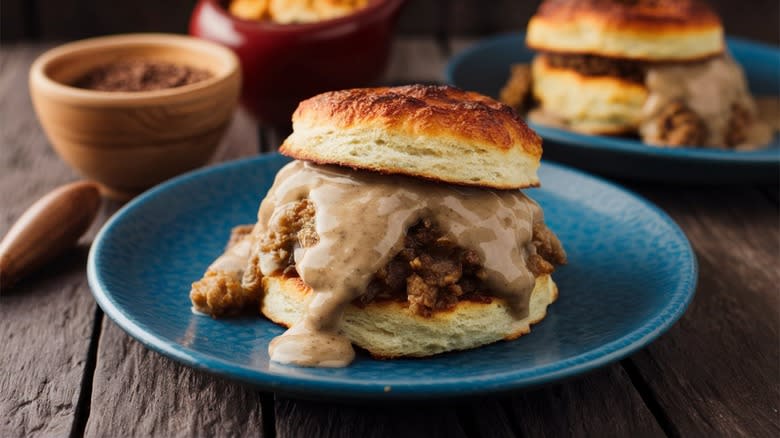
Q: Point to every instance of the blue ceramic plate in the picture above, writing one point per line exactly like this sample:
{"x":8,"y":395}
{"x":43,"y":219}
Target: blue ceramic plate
{"x":485,"y":68}
{"x":631,"y":275}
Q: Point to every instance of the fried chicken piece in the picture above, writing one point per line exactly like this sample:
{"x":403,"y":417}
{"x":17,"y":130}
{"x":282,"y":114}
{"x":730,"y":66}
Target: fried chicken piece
{"x":740,"y":122}
{"x":517,"y":89}
{"x":678,"y":125}
{"x":219,"y":292}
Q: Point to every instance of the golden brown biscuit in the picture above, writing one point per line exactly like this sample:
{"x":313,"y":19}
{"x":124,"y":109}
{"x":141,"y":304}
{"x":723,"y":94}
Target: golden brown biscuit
{"x":439,"y":133}
{"x":390,"y":329}
{"x":589,"y":104}
{"x":657,"y":30}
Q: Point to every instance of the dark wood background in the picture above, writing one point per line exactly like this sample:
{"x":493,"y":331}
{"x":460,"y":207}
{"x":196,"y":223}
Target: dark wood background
{"x":34,"y":20}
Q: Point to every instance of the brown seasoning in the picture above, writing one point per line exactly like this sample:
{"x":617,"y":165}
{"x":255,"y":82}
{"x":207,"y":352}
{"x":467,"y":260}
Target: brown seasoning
{"x":140,"y":75}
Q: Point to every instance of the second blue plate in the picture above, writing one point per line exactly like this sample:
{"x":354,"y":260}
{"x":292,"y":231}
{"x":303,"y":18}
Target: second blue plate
{"x":485,"y":68}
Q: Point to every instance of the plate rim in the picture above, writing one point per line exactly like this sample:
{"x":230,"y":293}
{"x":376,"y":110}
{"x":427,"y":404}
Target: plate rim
{"x":314,"y":387}
{"x":759,"y":157}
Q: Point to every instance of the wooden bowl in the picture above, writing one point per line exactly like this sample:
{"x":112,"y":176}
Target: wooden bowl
{"x":130,"y":141}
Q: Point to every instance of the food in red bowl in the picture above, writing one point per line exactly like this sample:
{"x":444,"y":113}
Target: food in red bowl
{"x":285,"y":63}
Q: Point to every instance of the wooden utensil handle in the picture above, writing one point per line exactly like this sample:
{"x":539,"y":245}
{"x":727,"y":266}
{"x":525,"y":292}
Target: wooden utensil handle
{"x":52,"y":224}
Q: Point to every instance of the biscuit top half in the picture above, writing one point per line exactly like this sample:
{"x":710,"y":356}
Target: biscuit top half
{"x":649,"y":30}
{"x":438,"y":133}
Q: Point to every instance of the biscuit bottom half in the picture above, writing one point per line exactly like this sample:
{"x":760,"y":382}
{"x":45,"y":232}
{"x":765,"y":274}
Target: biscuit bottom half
{"x":389,"y":329}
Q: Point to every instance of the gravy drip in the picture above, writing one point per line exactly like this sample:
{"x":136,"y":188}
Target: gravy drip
{"x":361,"y":219}
{"x":233,"y":260}
{"x":709,"y":89}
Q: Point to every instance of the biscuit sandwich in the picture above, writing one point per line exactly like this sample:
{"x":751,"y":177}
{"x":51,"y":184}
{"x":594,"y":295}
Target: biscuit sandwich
{"x":399,"y":227}
{"x":655,"y":68}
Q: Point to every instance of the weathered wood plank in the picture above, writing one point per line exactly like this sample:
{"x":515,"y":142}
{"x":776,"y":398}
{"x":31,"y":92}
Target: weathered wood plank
{"x":603,"y":403}
{"x":715,"y":373}
{"x":486,"y":417}
{"x":45,"y":321}
{"x":137,"y":392}
{"x":296,"y":418}
{"x":46,"y":326}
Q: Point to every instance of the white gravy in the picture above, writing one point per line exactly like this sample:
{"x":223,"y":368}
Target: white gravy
{"x":361,"y":219}
{"x":709,"y":89}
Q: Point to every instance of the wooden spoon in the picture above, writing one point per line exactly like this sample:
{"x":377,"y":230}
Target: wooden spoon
{"x":50,"y":226}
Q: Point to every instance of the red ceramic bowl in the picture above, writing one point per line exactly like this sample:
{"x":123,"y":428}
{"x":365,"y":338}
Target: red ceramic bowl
{"x":285,"y":63}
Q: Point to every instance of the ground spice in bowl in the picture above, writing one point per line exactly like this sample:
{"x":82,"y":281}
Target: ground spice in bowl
{"x":140,"y":75}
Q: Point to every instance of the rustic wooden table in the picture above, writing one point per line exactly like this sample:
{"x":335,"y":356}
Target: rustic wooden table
{"x":67,"y":370}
